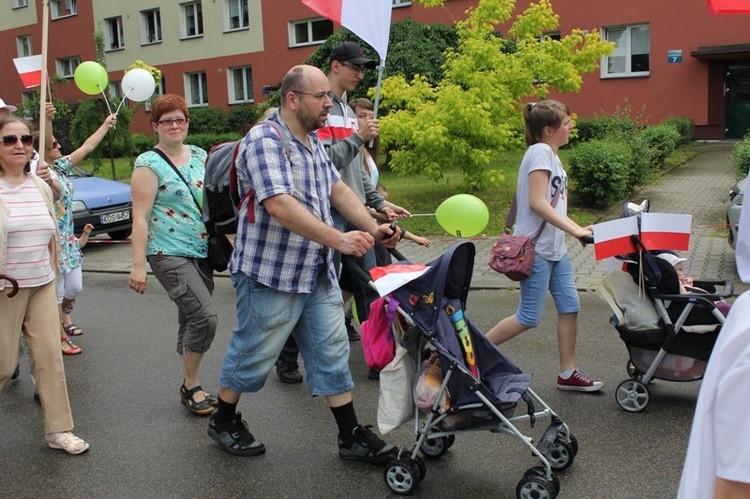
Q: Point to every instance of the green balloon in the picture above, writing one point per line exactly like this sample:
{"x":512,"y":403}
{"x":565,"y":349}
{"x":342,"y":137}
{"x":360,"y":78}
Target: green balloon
{"x":90,"y":77}
{"x":463,"y":215}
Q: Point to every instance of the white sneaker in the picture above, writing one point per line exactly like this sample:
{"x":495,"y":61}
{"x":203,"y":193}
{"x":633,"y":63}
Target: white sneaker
{"x":66,"y":441}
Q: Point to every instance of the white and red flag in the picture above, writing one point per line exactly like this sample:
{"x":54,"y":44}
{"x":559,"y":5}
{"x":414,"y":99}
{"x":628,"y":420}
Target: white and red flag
{"x":394,"y":276}
{"x":665,"y":231}
{"x":30,"y":70}
{"x":729,"y":6}
{"x":368,"y":19}
{"x":613,"y":238}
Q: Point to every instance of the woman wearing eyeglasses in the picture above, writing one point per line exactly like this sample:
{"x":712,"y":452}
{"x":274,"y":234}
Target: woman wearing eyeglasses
{"x":29,"y":248}
{"x":169,"y":233}
{"x":70,"y":283}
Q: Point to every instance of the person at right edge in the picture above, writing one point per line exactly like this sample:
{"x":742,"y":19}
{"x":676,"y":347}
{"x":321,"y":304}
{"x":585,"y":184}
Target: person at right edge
{"x":540,"y":176}
{"x":283,"y":274}
{"x":343,"y":141}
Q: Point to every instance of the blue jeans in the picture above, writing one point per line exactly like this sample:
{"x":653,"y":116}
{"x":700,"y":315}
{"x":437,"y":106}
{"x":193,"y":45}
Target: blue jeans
{"x":555,"y":277}
{"x":265,"y":319}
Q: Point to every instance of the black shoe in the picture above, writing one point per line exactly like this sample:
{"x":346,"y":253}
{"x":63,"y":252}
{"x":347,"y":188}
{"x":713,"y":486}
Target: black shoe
{"x":288,"y":372}
{"x":16,"y":373}
{"x":350,"y":331}
{"x":373,"y":374}
{"x":364,"y":445}
{"x":234,"y":436}
{"x":202,"y":408}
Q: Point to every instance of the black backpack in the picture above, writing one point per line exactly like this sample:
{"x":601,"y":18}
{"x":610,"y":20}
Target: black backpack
{"x":221,"y":198}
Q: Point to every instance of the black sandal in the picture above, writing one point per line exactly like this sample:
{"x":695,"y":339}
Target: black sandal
{"x":72,"y":330}
{"x":202,"y":408}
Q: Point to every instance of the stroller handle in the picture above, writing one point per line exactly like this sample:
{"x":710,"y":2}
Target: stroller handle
{"x":587,"y":239}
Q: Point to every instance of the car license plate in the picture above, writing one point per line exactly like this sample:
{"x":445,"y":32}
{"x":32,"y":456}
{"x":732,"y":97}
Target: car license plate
{"x":111,"y":218}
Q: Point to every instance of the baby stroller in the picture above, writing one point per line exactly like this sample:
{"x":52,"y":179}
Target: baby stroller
{"x":669,"y":335}
{"x":484,"y":385}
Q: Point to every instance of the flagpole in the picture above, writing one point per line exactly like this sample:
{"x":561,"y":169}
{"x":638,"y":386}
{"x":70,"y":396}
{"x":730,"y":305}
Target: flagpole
{"x":381,"y":67}
{"x":43,"y":90}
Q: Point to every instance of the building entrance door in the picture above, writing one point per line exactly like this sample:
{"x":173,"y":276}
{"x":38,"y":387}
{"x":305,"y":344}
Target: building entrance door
{"x":737,"y":94}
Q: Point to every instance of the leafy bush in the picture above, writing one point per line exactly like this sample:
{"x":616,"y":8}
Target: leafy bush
{"x":207,"y":140}
{"x":662,"y":140}
{"x":600,"y":170}
{"x":605,"y":127}
{"x":643,"y":165}
{"x":683,"y":125}
{"x":142,"y":143}
{"x":741,"y":157}
{"x":208,"y":120}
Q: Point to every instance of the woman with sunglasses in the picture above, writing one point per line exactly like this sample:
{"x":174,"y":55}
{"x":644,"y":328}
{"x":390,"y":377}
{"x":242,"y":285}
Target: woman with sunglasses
{"x":169,"y":232}
{"x":70,"y":283}
{"x":29,"y":249}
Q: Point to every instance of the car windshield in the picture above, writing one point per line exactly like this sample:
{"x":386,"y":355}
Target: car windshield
{"x":78,"y":171}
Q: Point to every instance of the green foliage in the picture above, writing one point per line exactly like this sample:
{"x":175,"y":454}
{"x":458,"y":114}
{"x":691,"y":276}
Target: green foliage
{"x":240,"y":118}
{"x":602,"y":127}
{"x":741,"y":157}
{"x":214,"y":120}
{"x":142,"y":143}
{"x":89,"y":116}
{"x":475,"y":110}
{"x":207,"y":140}
{"x":599,"y":170}
{"x":662,"y":140}
{"x":683,"y":125}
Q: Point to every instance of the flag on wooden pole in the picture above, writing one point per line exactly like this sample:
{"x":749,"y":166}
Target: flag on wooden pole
{"x":30,"y":70}
{"x":613,"y":238}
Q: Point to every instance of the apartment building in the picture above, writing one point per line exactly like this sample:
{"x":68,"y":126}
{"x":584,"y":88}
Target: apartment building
{"x":677,"y":59}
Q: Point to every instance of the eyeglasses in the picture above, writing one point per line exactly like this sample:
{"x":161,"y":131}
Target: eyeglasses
{"x":11,"y":140}
{"x":175,"y":121}
{"x":318,"y":96}
{"x":357,"y":68}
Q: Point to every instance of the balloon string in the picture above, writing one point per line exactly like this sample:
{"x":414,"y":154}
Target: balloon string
{"x":423,"y":214}
{"x":123,"y":100}
{"x":109,"y":108}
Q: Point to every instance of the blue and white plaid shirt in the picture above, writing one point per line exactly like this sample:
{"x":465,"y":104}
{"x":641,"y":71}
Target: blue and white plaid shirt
{"x":264,"y":250}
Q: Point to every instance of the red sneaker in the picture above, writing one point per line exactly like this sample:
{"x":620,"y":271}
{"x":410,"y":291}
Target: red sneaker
{"x":578,"y":382}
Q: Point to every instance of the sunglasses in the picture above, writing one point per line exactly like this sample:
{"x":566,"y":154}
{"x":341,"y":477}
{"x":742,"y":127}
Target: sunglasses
{"x":11,"y":140}
{"x":55,"y":144}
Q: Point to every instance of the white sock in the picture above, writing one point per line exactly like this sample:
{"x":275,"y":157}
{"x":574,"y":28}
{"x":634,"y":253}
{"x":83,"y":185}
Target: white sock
{"x":567,"y":374}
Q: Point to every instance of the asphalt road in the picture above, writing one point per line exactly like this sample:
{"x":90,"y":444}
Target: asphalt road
{"x":124,"y":394}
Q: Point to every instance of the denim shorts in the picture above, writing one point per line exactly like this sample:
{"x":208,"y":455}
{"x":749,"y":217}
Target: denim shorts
{"x":555,"y":277}
{"x":265,"y":319}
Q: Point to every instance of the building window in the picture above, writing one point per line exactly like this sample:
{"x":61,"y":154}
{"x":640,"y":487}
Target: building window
{"x":161,"y":89}
{"x":196,"y":89}
{"x":312,"y":32}
{"x":115,"y":40}
{"x":240,"y":85}
{"x":63,"y":8}
{"x":632,"y":53}
{"x":24,"y":46}
{"x":237,"y":16}
{"x":151,"y":26}
{"x":401,"y":3}
{"x":17,"y":4}
{"x":192,"y":16}
{"x":115,"y":92}
{"x":66,"y":67}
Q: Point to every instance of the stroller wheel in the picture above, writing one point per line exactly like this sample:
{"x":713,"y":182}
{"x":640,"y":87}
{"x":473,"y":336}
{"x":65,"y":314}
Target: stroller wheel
{"x":535,"y":485}
{"x":632,"y":395}
{"x":560,"y":454}
{"x":420,"y":467}
{"x":541,"y":471}
{"x":402,"y":476}
{"x":435,"y":447}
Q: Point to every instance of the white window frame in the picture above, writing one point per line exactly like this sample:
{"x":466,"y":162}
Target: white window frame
{"x":194,"y":9}
{"x":56,"y":12}
{"x":25,"y":48}
{"x":148,"y":17}
{"x":161,"y":89}
{"x":401,"y":3}
{"x":237,"y":15}
{"x":246,"y":74}
{"x":115,"y":92}
{"x":66,"y":66}
{"x":114,"y":26}
{"x":19,"y":4}
{"x":293,"y":42}
{"x":625,"y":51}
{"x":198,"y":78}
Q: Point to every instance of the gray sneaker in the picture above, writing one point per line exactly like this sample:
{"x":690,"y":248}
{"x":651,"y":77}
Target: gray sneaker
{"x":364,"y":445}
{"x":234,"y":436}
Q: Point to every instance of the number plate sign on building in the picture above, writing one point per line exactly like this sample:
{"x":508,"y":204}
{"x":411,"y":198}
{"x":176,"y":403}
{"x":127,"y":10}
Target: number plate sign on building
{"x":674,"y":56}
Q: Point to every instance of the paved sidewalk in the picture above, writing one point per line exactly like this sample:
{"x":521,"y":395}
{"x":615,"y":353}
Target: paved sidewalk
{"x":699,"y":187}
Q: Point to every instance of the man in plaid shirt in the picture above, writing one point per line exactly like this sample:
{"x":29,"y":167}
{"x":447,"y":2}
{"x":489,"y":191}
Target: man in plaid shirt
{"x":282,"y":269}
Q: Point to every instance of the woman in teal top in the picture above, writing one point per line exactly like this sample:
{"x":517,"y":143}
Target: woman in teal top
{"x":169,"y":232}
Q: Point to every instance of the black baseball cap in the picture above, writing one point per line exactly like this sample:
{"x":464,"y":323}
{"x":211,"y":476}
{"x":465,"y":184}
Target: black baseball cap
{"x":350,"y":52}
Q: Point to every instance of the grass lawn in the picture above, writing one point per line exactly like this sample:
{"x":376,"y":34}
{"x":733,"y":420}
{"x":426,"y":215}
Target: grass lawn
{"x":422,"y":196}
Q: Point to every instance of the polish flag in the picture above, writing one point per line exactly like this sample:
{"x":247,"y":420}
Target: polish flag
{"x":368,"y":19}
{"x":613,"y":238}
{"x":665,"y":231}
{"x":30,"y":70}
{"x":394,"y":276}
{"x":729,"y":6}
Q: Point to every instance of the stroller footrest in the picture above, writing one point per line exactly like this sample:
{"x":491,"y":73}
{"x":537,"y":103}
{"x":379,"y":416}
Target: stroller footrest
{"x":550,"y":434}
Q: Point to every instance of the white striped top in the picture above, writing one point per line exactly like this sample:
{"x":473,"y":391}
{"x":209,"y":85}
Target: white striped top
{"x":30,"y":230}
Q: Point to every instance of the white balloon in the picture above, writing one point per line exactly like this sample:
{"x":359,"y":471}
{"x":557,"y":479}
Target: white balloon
{"x":138,"y":85}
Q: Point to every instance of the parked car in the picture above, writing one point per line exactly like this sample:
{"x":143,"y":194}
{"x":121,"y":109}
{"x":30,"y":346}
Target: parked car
{"x":105,"y":204}
{"x":734,"y":207}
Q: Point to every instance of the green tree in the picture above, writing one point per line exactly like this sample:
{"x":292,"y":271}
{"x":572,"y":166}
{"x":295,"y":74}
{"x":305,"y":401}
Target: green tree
{"x":475,"y":110}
